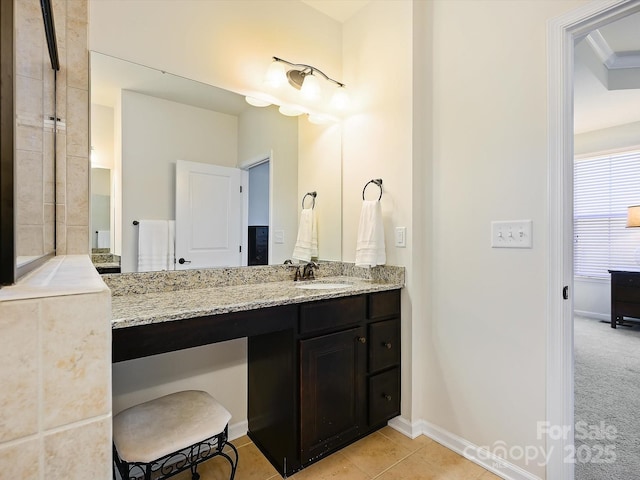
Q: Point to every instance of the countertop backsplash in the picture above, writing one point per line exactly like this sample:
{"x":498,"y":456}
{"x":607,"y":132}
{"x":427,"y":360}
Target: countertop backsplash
{"x":166,"y":281}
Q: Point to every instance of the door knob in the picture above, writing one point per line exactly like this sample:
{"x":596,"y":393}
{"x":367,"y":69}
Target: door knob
{"x":388,"y":345}
{"x":182,"y":261}
{"x":362,"y":339}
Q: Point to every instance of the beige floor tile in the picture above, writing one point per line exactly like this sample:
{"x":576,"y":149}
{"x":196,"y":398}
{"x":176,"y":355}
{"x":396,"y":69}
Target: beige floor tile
{"x":456,"y":466}
{"x":241,"y":441}
{"x":332,"y":467}
{"x":375,"y":453}
{"x":404,"y":441}
{"x":414,"y":468}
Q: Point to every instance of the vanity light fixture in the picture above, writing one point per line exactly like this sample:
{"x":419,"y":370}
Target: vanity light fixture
{"x":306,"y":79}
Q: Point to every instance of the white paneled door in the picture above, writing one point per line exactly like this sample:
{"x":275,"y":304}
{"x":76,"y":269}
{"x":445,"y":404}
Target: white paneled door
{"x":208,"y":216}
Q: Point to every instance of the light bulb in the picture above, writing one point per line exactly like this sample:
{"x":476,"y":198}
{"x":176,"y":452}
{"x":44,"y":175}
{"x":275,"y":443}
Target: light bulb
{"x":276,"y":75}
{"x":311,"y":89}
{"x":290,"y":111}
{"x":319,"y":119}
{"x":257,"y":102}
{"x":340,"y":100}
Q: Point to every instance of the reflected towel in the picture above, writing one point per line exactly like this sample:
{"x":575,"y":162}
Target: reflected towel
{"x":306,"y":246}
{"x":155,"y":246}
{"x":103,"y":239}
{"x":370,"y":249}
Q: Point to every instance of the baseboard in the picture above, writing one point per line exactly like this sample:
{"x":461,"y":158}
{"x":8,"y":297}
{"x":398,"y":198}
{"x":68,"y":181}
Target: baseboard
{"x":599,"y":316}
{"x":481,"y":456}
{"x":236,"y":430}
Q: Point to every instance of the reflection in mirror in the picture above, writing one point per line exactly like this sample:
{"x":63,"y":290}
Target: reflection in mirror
{"x":143,"y":121}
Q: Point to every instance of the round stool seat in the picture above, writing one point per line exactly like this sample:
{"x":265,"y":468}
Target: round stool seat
{"x":156,"y":428}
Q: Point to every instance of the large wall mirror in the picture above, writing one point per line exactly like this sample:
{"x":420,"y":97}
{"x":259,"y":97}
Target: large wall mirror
{"x":146,"y":122}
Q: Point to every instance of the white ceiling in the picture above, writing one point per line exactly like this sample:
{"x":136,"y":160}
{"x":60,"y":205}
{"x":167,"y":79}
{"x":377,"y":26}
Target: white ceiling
{"x":340,"y":10}
{"x":596,"y":106}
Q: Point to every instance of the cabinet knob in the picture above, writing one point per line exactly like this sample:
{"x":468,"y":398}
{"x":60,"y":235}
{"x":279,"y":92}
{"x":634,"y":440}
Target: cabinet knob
{"x":387,"y":397}
{"x":362,"y":339}
{"x":387,"y":344}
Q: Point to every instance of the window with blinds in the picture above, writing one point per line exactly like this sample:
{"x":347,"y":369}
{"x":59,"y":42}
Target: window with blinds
{"x":604,"y":187}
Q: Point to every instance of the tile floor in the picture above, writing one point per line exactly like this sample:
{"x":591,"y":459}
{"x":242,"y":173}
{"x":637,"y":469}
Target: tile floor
{"x":383,"y":455}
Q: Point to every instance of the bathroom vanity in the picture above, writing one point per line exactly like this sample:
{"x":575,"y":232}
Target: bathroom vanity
{"x":323,"y":363}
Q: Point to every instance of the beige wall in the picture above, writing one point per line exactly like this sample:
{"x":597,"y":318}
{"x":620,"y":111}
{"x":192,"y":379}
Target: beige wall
{"x":486,"y":344}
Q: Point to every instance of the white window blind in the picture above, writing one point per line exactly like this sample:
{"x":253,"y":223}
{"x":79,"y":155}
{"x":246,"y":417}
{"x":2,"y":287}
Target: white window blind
{"x":604,"y":187}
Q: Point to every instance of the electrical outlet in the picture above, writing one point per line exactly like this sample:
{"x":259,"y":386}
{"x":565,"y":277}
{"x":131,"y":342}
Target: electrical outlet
{"x":512,"y":234}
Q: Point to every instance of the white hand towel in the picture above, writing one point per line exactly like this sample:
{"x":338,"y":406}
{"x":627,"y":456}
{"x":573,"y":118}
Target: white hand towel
{"x":153,"y":245}
{"x":370,"y":249}
{"x":103,"y":239}
{"x":307,"y":242}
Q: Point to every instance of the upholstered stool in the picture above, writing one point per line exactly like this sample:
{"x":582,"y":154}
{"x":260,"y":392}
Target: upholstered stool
{"x":163,"y":437}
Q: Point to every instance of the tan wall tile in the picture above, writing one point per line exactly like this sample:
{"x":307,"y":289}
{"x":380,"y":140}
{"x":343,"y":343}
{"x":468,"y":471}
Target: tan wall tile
{"x":19,"y":377}
{"x":29,"y":40}
{"x":77,"y":122}
{"x":76,"y":339}
{"x":20,"y":461}
{"x":77,"y":240}
{"x":29,"y":240}
{"x":79,"y":453}
{"x":29,"y":138}
{"x":29,"y":188}
{"x":29,"y":99}
{"x":77,"y":191}
{"x":77,"y":53}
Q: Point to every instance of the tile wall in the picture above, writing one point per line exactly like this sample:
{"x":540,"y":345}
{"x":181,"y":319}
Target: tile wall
{"x":55,"y":372}
{"x":40,"y":189}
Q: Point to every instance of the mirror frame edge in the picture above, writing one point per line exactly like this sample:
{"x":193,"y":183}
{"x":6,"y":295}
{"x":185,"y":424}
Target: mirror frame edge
{"x":8,"y":273}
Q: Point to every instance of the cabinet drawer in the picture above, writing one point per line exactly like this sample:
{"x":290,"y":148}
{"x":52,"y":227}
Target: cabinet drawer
{"x":624,"y":293}
{"x":331,"y":314}
{"x":384,"y":304}
{"x":626,"y":279}
{"x":384,"y":344}
{"x":384,"y":396}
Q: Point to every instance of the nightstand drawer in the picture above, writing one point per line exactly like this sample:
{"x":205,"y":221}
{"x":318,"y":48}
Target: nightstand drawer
{"x":626,"y":280}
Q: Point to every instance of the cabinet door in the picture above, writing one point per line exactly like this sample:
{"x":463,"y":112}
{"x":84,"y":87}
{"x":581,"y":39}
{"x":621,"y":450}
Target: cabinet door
{"x":333,"y":384}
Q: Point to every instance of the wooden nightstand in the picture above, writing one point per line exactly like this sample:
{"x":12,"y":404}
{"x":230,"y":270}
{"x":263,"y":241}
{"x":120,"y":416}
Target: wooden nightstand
{"x":625,"y":295}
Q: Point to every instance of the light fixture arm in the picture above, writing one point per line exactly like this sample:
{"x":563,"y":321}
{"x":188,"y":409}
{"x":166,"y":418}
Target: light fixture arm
{"x":308,"y":69}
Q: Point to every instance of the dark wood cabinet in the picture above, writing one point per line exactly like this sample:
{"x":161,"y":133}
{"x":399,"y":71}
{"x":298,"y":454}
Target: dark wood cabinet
{"x":332,"y":380}
{"x":625,"y":295}
{"x":332,"y":391}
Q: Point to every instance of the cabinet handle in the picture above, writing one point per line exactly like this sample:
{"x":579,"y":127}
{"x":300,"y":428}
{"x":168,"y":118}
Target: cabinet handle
{"x":386,"y":397}
{"x":362,"y":339}
{"x":388,"y":345}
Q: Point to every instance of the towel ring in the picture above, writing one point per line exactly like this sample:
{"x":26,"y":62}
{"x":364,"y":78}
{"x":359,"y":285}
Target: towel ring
{"x":378,"y":182}
{"x":313,"y":196}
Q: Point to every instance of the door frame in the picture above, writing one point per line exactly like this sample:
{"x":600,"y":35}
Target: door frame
{"x":562,"y":34}
{"x":245,"y":166}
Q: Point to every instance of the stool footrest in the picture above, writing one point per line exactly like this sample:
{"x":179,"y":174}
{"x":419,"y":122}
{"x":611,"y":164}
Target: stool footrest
{"x":178,"y":461}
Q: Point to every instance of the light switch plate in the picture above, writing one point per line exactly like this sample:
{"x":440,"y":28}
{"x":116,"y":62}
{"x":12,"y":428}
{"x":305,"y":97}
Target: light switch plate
{"x":278,"y":236}
{"x":401,"y":237}
{"x":512,"y":234}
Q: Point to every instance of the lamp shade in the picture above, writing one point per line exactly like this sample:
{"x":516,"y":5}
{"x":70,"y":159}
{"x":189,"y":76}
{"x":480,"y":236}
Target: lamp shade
{"x":311,"y":89}
{"x":633,"y":216}
{"x":276,"y":75}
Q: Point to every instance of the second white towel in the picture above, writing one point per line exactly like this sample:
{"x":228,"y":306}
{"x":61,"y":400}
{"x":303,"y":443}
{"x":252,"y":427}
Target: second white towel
{"x":306,"y":246}
{"x":156,"y":245}
{"x":370,"y":249}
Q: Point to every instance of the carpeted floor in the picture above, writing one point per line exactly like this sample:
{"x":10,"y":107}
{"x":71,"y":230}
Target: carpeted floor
{"x":607,"y":401}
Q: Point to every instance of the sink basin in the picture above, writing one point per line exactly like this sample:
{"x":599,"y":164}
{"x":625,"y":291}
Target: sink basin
{"x":323,"y":286}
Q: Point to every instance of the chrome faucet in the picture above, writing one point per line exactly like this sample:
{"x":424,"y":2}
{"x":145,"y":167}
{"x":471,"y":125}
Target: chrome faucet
{"x":307,"y":271}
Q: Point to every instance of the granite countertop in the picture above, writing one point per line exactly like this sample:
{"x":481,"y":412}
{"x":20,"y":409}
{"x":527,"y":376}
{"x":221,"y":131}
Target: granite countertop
{"x":146,"y":308}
